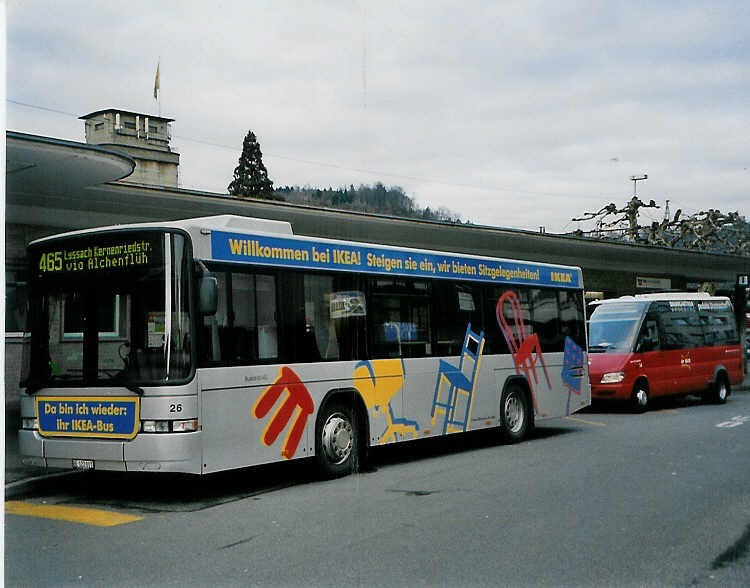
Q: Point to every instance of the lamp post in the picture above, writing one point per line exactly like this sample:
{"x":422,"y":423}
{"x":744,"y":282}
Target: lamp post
{"x":638,"y":179}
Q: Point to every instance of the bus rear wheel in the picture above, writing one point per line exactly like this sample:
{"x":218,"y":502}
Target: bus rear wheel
{"x":336,"y":440}
{"x":515,"y":420}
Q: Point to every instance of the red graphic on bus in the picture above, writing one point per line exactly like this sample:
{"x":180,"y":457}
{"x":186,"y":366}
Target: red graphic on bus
{"x":298,"y":397}
{"x":523,"y":346}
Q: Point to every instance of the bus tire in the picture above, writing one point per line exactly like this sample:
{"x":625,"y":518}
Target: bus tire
{"x":515,"y":420}
{"x":719,"y":390}
{"x":336,"y":440}
{"x":639,"y":399}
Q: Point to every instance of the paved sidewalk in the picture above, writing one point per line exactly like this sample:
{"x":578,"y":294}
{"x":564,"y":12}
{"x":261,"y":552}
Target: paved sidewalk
{"x":20,"y":478}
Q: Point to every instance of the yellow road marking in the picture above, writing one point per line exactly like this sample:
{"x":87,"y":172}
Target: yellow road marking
{"x":74,"y":514}
{"x":594,"y":423}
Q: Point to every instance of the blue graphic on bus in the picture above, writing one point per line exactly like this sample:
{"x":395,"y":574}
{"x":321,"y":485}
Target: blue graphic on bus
{"x":309,"y":254}
{"x":79,"y":417}
{"x":572,"y":370}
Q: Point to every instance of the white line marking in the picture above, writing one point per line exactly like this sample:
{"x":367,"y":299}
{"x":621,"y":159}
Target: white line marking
{"x":735,"y":421}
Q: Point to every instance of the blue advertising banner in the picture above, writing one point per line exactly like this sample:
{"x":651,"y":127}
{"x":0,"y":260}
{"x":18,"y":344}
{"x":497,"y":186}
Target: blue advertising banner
{"x":112,"y":418}
{"x":281,"y":251}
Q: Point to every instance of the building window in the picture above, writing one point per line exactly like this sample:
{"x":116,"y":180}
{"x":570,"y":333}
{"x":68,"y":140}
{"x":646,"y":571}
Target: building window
{"x":152,"y":129}
{"x":15,"y":300}
{"x":129,"y":125}
{"x":98,"y":126}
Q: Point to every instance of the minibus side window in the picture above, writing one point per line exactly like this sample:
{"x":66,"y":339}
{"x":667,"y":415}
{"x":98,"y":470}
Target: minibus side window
{"x":681,"y":330}
{"x":648,"y":338}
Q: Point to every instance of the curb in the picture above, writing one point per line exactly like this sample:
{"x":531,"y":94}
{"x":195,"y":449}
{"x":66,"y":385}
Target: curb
{"x":37,"y":483}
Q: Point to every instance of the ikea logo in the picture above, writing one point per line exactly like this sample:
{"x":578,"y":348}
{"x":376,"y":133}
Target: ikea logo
{"x":562,"y":277}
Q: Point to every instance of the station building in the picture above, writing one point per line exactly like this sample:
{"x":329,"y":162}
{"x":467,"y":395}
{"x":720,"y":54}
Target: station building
{"x":127,"y":172}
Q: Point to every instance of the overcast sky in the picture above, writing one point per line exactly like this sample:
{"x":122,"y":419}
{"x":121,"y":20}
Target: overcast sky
{"x":515,"y":114}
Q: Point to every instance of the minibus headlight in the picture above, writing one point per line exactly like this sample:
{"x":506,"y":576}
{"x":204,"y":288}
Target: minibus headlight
{"x":613,"y":378}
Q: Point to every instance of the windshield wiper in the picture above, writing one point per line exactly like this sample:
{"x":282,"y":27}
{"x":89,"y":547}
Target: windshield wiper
{"x":34,"y":385}
{"x":117,"y":378}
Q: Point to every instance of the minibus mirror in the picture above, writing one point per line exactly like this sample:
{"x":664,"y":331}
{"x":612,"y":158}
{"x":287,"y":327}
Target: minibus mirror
{"x":208,"y":296}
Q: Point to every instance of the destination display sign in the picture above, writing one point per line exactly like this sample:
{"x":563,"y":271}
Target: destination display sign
{"x":308,"y":254}
{"x":97,"y":253}
{"x":109,"y":418}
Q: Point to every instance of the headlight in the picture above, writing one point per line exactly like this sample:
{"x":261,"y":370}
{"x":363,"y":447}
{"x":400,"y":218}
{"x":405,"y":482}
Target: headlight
{"x":155,"y":426}
{"x":29,"y":423}
{"x":185,"y":426}
{"x":613,"y":378}
{"x":169,"y":426}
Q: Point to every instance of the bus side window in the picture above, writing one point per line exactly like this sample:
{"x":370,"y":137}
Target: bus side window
{"x":572,"y":317}
{"x":455,"y":307}
{"x":400,"y":317}
{"x":210,"y":343}
{"x":545,"y":315}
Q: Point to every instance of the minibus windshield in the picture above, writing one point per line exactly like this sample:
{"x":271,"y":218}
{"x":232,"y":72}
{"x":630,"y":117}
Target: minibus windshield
{"x":614,"y":326}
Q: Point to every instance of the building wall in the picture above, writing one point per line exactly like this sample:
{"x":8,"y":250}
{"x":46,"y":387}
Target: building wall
{"x":13,"y":364}
{"x":153,"y":173}
{"x":17,"y":237}
{"x":101,"y":129}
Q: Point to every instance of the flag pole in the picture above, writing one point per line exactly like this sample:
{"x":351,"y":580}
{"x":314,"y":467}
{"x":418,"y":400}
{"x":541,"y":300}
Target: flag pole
{"x":157,"y":86}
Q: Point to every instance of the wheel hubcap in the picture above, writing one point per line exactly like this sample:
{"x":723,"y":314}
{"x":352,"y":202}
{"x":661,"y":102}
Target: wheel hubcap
{"x":514,"y":414}
{"x":338,"y":438}
{"x":641,"y":397}
{"x":722,"y":391}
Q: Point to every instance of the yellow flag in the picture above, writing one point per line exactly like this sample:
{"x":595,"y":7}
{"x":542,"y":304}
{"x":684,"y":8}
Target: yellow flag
{"x":156,"y":82}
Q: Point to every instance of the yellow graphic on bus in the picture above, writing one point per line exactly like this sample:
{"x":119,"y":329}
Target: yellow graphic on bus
{"x":378,"y":381}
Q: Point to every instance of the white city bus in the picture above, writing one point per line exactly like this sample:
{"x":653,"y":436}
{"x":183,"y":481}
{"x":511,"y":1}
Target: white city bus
{"x":224,"y":342}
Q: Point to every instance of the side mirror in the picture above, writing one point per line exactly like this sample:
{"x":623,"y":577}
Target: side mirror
{"x":208,"y":295}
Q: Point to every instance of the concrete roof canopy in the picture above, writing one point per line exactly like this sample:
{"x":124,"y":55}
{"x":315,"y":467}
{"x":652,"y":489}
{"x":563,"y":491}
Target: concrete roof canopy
{"x":44,"y":165}
{"x":73,"y":186}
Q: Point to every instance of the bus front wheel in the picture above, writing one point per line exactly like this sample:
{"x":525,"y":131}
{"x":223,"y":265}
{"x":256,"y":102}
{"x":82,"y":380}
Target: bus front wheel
{"x":514,"y":414}
{"x":336,"y":440}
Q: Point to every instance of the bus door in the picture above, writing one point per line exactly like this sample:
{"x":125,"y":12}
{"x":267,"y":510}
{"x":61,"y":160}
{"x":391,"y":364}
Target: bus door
{"x":650,"y":358}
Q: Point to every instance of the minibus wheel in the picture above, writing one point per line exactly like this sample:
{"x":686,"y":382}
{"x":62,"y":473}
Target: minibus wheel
{"x":639,"y":399}
{"x":514,"y":414}
{"x":719,"y":390}
{"x":336,"y":440}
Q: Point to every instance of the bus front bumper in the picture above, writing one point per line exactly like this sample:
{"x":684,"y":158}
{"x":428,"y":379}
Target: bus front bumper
{"x":149,"y":452}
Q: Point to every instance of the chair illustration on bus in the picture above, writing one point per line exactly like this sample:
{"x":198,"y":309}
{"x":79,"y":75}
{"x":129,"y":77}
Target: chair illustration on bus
{"x":378,"y":381}
{"x":454,"y":388}
{"x":573,"y":369}
{"x":523,"y":346}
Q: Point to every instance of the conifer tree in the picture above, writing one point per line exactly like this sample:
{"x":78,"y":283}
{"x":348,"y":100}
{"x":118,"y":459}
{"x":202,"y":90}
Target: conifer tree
{"x":250,"y":175}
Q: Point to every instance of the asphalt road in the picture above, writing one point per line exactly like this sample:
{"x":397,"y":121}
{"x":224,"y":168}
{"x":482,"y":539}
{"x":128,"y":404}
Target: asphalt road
{"x":598,"y":499}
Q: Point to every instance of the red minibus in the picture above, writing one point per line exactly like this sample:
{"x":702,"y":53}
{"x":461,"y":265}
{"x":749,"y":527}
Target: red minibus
{"x":670,"y":344}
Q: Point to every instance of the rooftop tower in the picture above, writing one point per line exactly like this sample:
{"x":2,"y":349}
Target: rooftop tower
{"x":143,"y":137}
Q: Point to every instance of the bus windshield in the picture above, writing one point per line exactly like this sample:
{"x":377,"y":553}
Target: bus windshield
{"x":109,"y":309}
{"x":614,"y":326}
